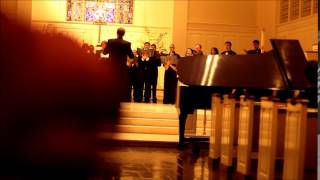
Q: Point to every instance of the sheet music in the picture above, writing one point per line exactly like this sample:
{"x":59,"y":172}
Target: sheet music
{"x":150,"y":52}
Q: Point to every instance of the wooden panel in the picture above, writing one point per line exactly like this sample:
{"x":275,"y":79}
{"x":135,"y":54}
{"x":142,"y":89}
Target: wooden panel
{"x":267,"y":140}
{"x":305,"y":30}
{"x":193,"y":39}
{"x":212,"y":40}
{"x":311,"y":144}
{"x":216,"y":119}
{"x":227,"y":132}
{"x":295,"y":139}
{"x":245,"y":135}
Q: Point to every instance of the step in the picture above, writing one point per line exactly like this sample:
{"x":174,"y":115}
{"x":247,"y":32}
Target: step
{"x":148,"y":107}
{"x":149,"y":122}
{"x":147,"y":129}
{"x":141,"y":137}
{"x":149,"y":115}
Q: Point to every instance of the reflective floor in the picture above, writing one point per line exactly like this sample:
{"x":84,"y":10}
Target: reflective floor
{"x":154,"y":163}
{"x":168,"y":163}
{"x":151,"y":163}
{"x":160,"y":163}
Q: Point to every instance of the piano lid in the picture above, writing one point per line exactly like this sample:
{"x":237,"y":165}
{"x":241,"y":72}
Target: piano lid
{"x":237,"y":71}
{"x":292,"y":60}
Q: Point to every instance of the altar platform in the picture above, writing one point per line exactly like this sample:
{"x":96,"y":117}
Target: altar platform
{"x":155,"y":122}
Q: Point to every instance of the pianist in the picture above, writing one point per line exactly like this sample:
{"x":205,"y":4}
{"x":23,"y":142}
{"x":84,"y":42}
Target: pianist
{"x":228,"y":50}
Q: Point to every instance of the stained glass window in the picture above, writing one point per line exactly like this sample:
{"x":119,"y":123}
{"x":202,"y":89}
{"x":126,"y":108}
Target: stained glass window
{"x":109,"y":11}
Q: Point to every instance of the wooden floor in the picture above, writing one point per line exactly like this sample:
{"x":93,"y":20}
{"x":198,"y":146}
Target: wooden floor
{"x":167,"y":163}
{"x":148,"y":134}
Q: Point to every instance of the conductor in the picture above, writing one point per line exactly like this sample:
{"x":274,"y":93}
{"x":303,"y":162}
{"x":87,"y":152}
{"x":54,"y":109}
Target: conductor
{"x":118,"y":50}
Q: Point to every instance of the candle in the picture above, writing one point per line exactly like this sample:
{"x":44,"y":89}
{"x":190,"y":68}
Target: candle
{"x":262,"y":37}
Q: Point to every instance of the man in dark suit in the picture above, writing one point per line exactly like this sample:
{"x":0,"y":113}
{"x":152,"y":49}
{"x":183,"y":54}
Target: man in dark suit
{"x":144,"y":77}
{"x":256,"y":49}
{"x":155,"y":63}
{"x":228,"y":50}
{"x":198,"y":50}
{"x":118,"y":50}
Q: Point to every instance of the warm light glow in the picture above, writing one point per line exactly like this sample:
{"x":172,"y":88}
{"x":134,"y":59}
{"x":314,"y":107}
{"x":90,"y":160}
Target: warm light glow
{"x":100,"y":11}
{"x":209,"y":71}
{"x":149,"y":23}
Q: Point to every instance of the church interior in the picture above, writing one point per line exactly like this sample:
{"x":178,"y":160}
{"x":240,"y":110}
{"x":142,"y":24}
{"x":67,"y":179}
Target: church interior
{"x":219,"y":89}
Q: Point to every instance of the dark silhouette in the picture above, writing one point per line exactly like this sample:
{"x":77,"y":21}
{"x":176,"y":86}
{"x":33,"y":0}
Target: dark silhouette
{"x":256,"y":48}
{"x":144,"y":78}
{"x":198,"y":50}
{"x":170,"y":77}
{"x":119,"y":50}
{"x":155,"y":63}
{"x":214,"y":51}
{"x":228,"y":50}
{"x":54,"y":98}
{"x":189,"y":52}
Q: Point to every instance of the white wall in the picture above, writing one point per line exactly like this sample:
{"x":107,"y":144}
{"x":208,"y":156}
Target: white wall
{"x":9,"y":8}
{"x":17,"y":9}
{"x":151,"y":19}
{"x":211,"y":23}
{"x":266,"y":20}
{"x":231,"y":12}
{"x":304,"y":29}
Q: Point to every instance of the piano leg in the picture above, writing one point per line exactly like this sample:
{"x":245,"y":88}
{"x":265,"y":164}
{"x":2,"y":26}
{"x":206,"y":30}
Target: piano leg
{"x":182,"y":126}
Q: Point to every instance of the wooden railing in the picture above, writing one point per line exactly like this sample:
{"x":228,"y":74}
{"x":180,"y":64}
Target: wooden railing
{"x":282,"y":134}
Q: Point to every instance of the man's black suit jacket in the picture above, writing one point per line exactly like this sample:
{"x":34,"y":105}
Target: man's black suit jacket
{"x":118,"y":50}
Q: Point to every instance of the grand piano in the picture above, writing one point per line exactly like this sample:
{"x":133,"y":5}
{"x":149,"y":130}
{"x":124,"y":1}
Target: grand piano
{"x":280,"y":73}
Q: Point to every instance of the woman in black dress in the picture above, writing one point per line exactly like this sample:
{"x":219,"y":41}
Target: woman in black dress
{"x":170,"y":77}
